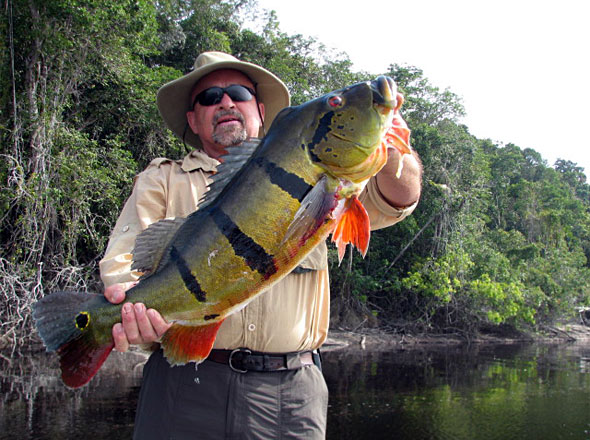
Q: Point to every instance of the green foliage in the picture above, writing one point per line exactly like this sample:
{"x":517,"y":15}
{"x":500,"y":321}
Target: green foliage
{"x":498,"y":237}
{"x":86,"y":192}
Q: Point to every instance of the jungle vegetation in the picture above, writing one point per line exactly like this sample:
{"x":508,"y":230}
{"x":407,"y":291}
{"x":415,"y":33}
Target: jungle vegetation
{"x":500,"y":238}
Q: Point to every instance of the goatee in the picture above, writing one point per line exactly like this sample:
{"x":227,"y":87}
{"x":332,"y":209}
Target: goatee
{"x":229,"y":135}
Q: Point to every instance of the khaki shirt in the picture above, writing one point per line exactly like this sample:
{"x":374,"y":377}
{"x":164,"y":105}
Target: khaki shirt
{"x":293,"y":315}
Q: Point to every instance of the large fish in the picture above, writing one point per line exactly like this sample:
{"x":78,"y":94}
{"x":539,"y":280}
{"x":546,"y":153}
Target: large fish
{"x":270,"y":204}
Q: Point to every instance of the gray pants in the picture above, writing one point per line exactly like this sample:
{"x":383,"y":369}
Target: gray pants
{"x":214,"y":402}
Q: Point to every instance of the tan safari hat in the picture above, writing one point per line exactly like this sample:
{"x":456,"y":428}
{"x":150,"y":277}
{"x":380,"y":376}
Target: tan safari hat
{"x":174,"y":98}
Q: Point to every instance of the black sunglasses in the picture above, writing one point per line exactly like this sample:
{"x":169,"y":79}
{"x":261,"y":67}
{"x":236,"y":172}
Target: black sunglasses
{"x":214,"y":95}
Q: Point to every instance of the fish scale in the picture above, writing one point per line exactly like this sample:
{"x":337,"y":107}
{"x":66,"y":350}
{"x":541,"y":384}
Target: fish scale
{"x":264,"y":214}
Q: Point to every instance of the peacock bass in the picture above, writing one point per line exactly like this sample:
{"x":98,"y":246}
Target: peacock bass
{"x":271,"y":202}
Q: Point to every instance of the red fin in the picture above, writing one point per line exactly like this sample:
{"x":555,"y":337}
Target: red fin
{"x":80,"y":359}
{"x":184,"y":343}
{"x":353,"y":227}
{"x":398,"y":136}
{"x":313,"y":212}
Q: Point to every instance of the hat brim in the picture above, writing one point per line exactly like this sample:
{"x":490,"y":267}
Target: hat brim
{"x":174,"y":98}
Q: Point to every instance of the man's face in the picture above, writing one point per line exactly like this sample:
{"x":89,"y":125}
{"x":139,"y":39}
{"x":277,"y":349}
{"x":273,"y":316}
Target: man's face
{"x":228,"y":122}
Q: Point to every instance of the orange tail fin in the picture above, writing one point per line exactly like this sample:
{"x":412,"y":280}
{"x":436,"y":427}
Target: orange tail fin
{"x":353,"y":227}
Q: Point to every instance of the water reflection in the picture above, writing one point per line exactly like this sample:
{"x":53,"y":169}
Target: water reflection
{"x":36,"y":405}
{"x":481,"y":392}
{"x":502,"y":392}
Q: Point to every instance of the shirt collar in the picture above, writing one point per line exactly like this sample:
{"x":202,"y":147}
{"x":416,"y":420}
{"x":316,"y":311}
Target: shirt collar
{"x":199,"y":159}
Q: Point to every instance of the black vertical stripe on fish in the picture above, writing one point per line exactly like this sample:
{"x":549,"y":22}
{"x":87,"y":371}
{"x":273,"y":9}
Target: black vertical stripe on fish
{"x":254,"y":254}
{"x":289,"y":182}
{"x":189,"y":279}
{"x":324,"y":127}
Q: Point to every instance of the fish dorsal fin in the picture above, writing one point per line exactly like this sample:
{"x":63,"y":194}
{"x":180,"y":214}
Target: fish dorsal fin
{"x":233,"y":161}
{"x":151,"y":245}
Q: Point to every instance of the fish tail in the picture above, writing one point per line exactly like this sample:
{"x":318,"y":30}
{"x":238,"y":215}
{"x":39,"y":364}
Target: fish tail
{"x":64,"y":322}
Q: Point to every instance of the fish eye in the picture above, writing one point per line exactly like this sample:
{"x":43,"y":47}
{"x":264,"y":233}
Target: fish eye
{"x":335,"y":101}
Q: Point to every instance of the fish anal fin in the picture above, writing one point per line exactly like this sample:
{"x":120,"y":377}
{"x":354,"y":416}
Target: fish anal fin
{"x":353,"y":226}
{"x":185,"y":343}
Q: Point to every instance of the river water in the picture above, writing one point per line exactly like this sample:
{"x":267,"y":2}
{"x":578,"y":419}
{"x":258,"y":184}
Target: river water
{"x":444,"y":392}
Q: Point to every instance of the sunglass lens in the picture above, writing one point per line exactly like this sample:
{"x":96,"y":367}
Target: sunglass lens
{"x":214,"y":95}
{"x":211,"y":96}
{"x":238,"y":93}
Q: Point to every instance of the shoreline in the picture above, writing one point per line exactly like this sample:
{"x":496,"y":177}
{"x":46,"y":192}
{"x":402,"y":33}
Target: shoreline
{"x":339,"y":338}
{"x":26,"y":363}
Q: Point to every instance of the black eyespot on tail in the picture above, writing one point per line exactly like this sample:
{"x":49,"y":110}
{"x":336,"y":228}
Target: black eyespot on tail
{"x":82,"y":320}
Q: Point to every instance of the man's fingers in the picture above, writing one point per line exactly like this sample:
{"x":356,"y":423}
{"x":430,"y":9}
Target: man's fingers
{"x":121,"y":342}
{"x":159,"y":324}
{"x":146,"y":330}
{"x":115,"y":294}
{"x":130,"y":324}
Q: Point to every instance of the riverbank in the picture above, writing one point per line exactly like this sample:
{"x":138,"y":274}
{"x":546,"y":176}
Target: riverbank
{"x":29,"y":368}
{"x":339,"y":338}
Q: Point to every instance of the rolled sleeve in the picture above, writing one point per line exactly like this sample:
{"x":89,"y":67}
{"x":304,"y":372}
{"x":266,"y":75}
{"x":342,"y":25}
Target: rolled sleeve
{"x":381,"y":213}
{"x":146,"y":205}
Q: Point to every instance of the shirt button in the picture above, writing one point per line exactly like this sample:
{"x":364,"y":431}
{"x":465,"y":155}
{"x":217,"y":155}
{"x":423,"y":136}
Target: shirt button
{"x":251,"y":327}
{"x":125,"y":228}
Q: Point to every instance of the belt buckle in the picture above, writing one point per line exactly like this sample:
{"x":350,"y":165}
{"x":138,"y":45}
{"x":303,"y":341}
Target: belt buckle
{"x":231,"y":355}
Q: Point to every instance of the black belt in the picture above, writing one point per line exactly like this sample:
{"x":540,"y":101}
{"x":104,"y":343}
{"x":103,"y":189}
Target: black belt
{"x":243,"y":360}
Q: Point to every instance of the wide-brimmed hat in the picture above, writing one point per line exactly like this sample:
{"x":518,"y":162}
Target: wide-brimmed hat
{"x":174,"y":98}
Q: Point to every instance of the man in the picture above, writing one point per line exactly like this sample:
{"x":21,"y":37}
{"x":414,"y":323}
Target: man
{"x":277,"y":390}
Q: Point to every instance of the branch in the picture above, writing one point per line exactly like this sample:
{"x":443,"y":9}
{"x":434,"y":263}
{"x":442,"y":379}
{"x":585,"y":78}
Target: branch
{"x":398,"y":256}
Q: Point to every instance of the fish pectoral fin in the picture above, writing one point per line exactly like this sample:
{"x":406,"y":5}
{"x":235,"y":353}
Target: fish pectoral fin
{"x":353,"y":226}
{"x":186,"y":343}
{"x":315,"y":208}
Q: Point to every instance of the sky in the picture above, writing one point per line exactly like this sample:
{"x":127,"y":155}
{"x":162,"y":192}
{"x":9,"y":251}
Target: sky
{"x":522,"y":68}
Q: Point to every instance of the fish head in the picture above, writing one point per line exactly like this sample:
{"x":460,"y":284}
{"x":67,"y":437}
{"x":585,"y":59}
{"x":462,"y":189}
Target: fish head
{"x":350,"y":125}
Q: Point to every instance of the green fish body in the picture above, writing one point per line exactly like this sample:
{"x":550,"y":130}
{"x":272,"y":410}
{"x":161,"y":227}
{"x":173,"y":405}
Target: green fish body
{"x":271,"y":203}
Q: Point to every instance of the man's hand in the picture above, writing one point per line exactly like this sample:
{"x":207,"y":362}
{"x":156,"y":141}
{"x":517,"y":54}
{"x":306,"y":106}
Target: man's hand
{"x":138,"y":325}
{"x":405,"y":190}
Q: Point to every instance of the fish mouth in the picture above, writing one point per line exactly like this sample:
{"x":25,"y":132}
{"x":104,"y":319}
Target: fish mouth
{"x":384,"y":92}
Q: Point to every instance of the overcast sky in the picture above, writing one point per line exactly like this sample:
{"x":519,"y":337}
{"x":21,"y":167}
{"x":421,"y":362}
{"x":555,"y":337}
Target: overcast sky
{"x":521,"y":67}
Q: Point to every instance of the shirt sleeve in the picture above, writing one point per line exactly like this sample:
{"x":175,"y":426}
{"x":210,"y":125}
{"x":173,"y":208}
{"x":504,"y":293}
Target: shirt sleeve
{"x":381,"y":213}
{"x":146,"y":205}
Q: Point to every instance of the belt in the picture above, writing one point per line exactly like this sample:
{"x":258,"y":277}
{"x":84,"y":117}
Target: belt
{"x":242,"y":360}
